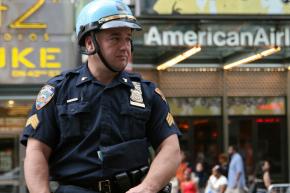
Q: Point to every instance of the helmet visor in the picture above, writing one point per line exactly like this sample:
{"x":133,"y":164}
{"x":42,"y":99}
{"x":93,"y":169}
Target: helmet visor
{"x":120,"y":23}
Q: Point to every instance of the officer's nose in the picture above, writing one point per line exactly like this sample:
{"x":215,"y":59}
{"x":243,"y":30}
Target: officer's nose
{"x":125,"y":45}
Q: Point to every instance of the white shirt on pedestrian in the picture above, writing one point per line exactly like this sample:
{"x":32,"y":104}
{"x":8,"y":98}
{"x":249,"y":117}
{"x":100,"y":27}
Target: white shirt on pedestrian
{"x":214,"y":184}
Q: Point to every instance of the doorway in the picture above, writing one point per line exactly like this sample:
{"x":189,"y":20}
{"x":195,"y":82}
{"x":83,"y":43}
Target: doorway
{"x":261,"y":138}
{"x":202,"y":139}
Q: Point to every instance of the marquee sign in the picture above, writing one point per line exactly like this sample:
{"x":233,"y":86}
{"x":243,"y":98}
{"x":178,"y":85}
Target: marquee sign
{"x":35,"y":39}
{"x":216,"y":35}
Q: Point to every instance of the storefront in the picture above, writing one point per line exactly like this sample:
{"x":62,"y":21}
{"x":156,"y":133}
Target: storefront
{"x":212,"y":114}
{"x":257,"y":124}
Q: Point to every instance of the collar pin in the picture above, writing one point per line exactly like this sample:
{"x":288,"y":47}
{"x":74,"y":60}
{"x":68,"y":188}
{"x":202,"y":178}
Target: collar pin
{"x":84,"y":78}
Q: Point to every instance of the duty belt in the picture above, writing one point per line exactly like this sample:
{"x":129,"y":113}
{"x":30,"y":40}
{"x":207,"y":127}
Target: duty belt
{"x":120,"y":183}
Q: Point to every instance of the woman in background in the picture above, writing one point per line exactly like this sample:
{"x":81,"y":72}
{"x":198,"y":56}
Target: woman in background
{"x":217,"y":183}
{"x":263,"y":179}
{"x":188,"y":185}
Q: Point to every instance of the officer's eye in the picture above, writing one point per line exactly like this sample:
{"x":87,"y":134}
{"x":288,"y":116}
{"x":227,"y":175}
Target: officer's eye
{"x":114,"y":38}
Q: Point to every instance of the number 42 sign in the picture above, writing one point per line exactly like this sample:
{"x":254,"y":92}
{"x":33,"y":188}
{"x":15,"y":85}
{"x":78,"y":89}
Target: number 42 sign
{"x":20,"y":23}
{"x":36,"y":37}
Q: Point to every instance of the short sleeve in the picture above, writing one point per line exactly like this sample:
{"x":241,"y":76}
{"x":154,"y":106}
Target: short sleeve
{"x":161,"y":123}
{"x":223,"y":181}
{"x":41,"y":125}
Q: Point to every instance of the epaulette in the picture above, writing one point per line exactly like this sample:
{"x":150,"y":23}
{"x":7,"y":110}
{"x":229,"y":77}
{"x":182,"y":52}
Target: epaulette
{"x":57,"y":79}
{"x":134,"y":76}
{"x":72,"y":71}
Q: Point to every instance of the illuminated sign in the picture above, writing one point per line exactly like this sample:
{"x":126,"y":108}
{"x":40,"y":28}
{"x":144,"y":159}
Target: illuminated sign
{"x":256,"y":106}
{"x":217,"y":36}
{"x":36,"y":40}
{"x":268,"y":120}
{"x":189,"y":106}
{"x":260,"y":37}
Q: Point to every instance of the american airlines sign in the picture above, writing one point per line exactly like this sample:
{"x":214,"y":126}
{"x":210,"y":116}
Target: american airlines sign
{"x":252,"y":37}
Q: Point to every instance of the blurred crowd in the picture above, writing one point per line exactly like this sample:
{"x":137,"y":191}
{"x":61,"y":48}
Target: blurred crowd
{"x":226,"y":176}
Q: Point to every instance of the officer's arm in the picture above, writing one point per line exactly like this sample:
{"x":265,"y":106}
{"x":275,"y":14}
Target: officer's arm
{"x":36,"y":166}
{"x":163,"y":167}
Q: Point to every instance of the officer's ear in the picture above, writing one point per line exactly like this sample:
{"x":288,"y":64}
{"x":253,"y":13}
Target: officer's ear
{"x":89,"y":44}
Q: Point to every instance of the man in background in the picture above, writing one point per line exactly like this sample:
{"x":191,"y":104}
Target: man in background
{"x":236,"y":174}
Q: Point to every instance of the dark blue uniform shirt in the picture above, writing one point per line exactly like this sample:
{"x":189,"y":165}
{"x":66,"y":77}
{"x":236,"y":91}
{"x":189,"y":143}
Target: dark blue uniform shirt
{"x":95,"y":130}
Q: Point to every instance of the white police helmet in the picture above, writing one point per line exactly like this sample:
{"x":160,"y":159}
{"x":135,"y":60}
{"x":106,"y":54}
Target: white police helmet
{"x":104,"y":14}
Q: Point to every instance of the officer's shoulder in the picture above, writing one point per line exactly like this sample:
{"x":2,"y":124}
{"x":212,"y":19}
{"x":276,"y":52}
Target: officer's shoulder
{"x":59,"y":79}
{"x":134,"y":76}
{"x":138,"y":77}
{"x":147,"y":84}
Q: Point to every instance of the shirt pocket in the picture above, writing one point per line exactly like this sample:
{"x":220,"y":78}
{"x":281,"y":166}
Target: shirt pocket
{"x":73,"y":119}
{"x":134,"y":120}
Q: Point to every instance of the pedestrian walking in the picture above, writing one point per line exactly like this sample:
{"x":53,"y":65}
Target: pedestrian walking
{"x":236,"y":173}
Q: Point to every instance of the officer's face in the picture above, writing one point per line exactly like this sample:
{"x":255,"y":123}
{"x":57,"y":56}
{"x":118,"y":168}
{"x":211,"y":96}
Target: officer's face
{"x":115,"y":45}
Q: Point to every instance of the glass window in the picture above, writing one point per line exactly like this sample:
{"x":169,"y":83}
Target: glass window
{"x":13,"y":116}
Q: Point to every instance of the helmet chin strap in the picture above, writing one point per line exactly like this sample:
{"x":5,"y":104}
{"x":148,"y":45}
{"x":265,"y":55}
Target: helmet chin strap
{"x":98,"y":51}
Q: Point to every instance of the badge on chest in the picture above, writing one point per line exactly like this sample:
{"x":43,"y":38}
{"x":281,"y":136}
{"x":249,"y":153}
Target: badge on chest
{"x":136,"y":98}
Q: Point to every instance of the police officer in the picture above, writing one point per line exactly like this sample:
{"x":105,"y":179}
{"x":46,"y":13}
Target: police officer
{"x":90,"y":127}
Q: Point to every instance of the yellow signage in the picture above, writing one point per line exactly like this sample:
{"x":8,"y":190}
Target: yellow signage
{"x":265,"y":7}
{"x":21,"y":66}
{"x":35,"y":43}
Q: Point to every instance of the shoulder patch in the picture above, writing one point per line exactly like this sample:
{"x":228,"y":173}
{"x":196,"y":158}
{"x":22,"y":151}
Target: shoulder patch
{"x":44,"y":96}
{"x":158,"y":91}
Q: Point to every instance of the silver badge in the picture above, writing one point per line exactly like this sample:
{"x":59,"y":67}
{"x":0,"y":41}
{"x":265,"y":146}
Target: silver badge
{"x":136,"y":98}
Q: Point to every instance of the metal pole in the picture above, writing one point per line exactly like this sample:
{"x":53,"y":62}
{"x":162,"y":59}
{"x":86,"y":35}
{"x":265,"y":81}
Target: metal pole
{"x":225,"y":112}
{"x":288,"y":121}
